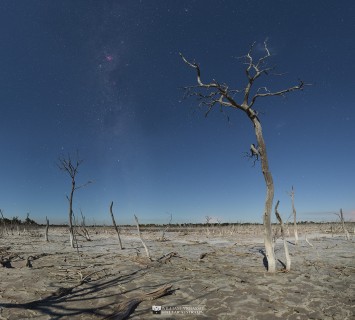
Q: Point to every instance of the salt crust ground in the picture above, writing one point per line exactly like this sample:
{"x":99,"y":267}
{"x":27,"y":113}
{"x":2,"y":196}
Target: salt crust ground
{"x":230,"y":282}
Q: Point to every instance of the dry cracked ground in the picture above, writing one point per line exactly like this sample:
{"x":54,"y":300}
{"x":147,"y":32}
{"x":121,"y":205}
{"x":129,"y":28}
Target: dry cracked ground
{"x":198,"y":274}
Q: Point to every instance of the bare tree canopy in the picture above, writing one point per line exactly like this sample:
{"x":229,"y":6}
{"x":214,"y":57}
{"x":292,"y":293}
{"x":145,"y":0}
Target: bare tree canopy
{"x":213,"y":93}
{"x":71,"y":167}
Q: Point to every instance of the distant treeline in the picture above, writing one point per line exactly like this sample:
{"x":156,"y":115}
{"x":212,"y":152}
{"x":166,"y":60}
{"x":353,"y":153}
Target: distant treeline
{"x":16,"y":220}
{"x":185,"y":225}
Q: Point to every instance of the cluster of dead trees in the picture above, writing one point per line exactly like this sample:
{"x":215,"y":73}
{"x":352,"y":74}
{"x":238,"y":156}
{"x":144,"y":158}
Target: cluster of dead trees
{"x":15,"y":224}
{"x":214,"y":94}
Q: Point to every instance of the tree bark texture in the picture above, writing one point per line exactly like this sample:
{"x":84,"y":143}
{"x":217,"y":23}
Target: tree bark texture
{"x":269,"y":250}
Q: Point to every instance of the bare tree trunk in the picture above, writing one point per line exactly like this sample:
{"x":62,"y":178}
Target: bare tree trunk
{"x":71,"y":229}
{"x":71,"y":168}
{"x":343,"y":225}
{"x":114,"y":224}
{"x":269,"y":251}
{"x":288,"y":259}
{"x":140,"y":236}
{"x":47,"y":227}
{"x":292,"y":194}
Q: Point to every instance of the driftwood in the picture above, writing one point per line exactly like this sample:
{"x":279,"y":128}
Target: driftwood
{"x":5,"y":262}
{"x":32,"y":258}
{"x":62,"y":291}
{"x":167,"y":257}
{"x":124,"y":309}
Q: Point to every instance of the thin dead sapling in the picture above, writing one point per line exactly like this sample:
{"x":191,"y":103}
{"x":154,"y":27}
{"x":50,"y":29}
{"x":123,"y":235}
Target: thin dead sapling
{"x":114,"y":224}
{"x":71,"y":168}
{"x":292,"y":195}
{"x":140,"y":236}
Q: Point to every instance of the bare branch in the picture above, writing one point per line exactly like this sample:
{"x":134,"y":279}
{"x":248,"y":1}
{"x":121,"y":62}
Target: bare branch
{"x":253,"y":154}
{"x":195,"y":66}
{"x":213,"y":89}
{"x":226,"y":97}
{"x":66,"y":164}
{"x":300,"y":86}
{"x":84,"y":185}
{"x":267,"y":55}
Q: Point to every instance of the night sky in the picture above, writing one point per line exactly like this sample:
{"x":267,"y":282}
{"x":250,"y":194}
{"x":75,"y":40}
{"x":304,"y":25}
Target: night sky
{"x":105,"y":78}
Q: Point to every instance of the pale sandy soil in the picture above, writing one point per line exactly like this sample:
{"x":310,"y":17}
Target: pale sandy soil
{"x":230,"y":282}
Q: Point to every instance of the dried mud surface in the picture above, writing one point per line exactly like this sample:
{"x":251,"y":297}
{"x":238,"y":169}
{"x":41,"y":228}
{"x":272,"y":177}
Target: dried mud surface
{"x":229,"y":282}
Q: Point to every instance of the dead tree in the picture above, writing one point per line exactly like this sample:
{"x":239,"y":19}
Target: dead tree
{"x":114,"y":224}
{"x":71,"y":168}
{"x":140,"y":236}
{"x":341,"y":217}
{"x":212,"y":94}
{"x":166,"y":229}
{"x":343,"y":225}
{"x":292,"y":195}
{"x":47,"y":227}
{"x":208,"y":219}
{"x":287,"y":255}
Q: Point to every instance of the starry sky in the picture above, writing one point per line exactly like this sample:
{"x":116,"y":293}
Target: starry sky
{"x":105,"y":78}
